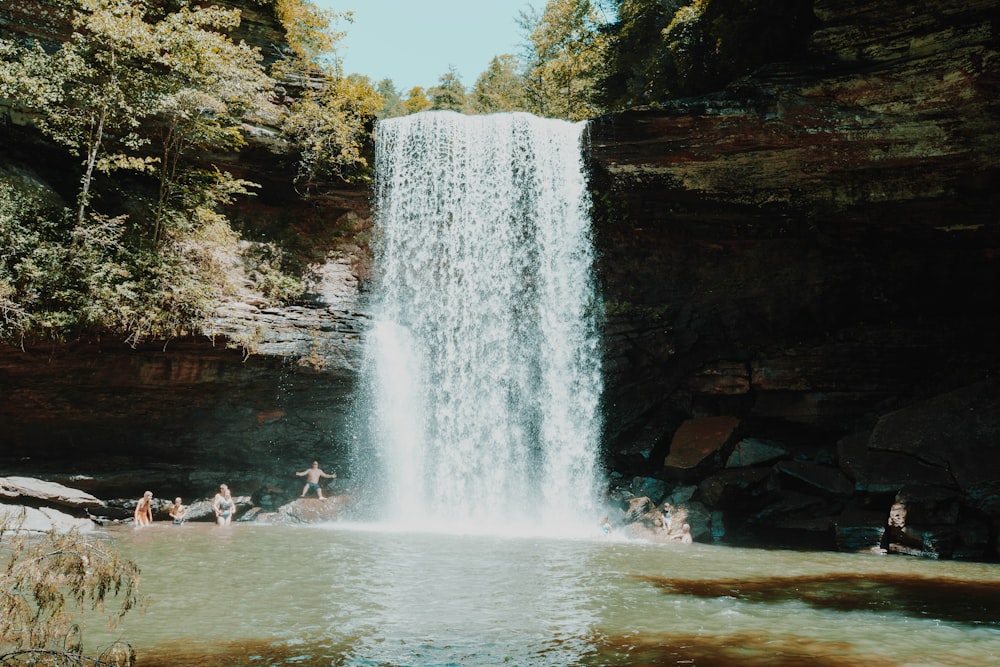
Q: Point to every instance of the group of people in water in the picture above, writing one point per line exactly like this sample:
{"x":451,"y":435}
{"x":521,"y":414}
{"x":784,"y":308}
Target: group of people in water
{"x":223,"y":505}
{"x":224,"y":508}
{"x":657,"y":520}
{"x":143,"y":515}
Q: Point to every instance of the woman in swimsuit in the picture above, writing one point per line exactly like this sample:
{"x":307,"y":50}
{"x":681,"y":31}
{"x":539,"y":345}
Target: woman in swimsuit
{"x":144,"y":510}
{"x":223,"y":506}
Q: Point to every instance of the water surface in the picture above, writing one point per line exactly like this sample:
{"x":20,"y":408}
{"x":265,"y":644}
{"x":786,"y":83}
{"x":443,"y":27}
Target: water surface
{"x":357,"y":595}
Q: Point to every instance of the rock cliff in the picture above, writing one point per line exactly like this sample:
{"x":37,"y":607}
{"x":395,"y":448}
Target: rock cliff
{"x":812,"y":253}
{"x":800,"y":274}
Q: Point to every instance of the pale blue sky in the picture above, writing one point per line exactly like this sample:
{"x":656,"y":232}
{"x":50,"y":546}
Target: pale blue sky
{"x":414,"y":42}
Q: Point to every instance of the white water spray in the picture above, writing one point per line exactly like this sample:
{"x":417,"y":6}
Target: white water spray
{"x":484,"y":358}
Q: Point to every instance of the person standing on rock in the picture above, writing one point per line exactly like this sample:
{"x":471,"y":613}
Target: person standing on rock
{"x":144,"y":510}
{"x":665,"y":521}
{"x":313,"y":475}
{"x":223,"y":506}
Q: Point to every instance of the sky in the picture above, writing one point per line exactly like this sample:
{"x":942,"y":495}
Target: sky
{"x":414,"y":42}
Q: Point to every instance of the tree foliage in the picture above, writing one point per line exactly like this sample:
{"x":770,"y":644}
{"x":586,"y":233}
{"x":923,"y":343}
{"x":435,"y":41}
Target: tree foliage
{"x":500,"y":88}
{"x":640,"y":67}
{"x":565,"y":59}
{"x":46,"y":583}
{"x":92,"y":94}
{"x":152,"y":89}
{"x":392,"y":99}
{"x":416,"y":100}
{"x":449,"y":93}
{"x":212,"y":86}
{"x":661,"y":49}
{"x":309,"y":29}
{"x":332,"y":125}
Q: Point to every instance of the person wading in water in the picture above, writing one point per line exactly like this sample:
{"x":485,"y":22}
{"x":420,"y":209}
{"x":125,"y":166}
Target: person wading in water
{"x":223,"y":506}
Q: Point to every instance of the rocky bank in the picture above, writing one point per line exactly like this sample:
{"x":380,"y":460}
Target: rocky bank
{"x":800,"y":275}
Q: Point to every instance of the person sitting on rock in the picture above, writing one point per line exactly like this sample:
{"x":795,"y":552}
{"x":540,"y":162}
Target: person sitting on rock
{"x":684,"y":537}
{"x":313,"y":475}
{"x":144,"y":510}
{"x":177,"y":512}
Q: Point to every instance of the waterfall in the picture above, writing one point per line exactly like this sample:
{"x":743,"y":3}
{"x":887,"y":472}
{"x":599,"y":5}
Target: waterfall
{"x":484,"y":356}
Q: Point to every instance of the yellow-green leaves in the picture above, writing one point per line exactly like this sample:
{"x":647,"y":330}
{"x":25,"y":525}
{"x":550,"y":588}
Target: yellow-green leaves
{"x":332,"y":126}
{"x":567,"y":54}
{"x":45,"y":582}
{"x":308,"y":28}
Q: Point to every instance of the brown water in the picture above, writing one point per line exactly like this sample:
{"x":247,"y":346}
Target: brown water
{"x":361,"y":595}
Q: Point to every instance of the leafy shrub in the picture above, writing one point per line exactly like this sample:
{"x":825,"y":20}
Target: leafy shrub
{"x":47,"y":581}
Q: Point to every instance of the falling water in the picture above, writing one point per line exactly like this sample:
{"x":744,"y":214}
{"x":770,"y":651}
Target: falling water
{"x":484,"y":357}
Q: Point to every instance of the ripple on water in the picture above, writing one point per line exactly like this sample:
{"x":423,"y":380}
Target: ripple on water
{"x":282,"y":596}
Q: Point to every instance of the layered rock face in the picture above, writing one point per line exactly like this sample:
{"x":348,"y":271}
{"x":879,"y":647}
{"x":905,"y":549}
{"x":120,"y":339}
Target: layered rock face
{"x":813,"y":255}
{"x":259,"y":394}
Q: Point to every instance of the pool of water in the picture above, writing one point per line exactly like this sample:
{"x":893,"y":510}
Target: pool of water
{"x":368,"y":595}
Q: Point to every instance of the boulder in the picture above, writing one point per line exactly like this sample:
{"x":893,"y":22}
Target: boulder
{"x":311,"y":510}
{"x":43,"y":520}
{"x":956,"y":434}
{"x":701,"y":444}
{"x":814,"y":478}
{"x":860,"y":528}
{"x":754,"y":451}
{"x":49,"y":493}
{"x":734,"y":486}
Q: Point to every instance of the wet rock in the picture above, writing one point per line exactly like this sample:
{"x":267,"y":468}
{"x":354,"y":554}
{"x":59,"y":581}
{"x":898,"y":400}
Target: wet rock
{"x":731,"y":488}
{"x":312,"y":510}
{"x":820,"y":479}
{"x":200,"y":510}
{"x":654,"y":489}
{"x":722,"y":378}
{"x":49,"y":493}
{"x":701,"y":444}
{"x":753,"y":451}
{"x":639,"y":507}
{"x":859,"y":539}
{"x":955,"y":434}
{"x":41,"y":520}
{"x":860,"y":528}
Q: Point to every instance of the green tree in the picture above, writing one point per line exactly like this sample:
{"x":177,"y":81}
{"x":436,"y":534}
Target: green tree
{"x":500,"y":88}
{"x":213,"y":85}
{"x":416,"y":100}
{"x":661,"y":49}
{"x":565,"y":59}
{"x":332,"y":127}
{"x":45,"y":583}
{"x":392,"y":99}
{"x":94,"y":92}
{"x":640,"y":66}
{"x":309,"y":29}
{"x":449,"y":94}
{"x":125,"y":76}
{"x":138,"y":72}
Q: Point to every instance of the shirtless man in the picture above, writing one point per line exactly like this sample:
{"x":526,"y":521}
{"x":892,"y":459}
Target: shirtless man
{"x":144,"y":510}
{"x":177,"y":512}
{"x":313,"y":475}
